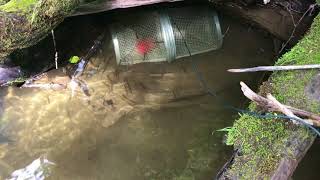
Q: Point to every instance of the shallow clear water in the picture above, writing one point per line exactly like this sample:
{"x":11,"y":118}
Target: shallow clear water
{"x":147,"y":121}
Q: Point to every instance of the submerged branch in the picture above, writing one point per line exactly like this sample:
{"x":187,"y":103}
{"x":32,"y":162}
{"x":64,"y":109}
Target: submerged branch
{"x":275,"y":68}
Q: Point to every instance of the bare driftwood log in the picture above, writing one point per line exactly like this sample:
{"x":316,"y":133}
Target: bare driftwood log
{"x":271,"y":104}
{"x":275,"y":68}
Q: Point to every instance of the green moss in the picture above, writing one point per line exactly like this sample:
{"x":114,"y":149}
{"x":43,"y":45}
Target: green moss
{"x":18,"y":5}
{"x":26,"y":22}
{"x":259,"y":138}
{"x":263,"y":142}
{"x":289,"y":86}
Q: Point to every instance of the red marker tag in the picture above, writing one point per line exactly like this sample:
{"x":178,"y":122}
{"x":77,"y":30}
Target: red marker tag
{"x":144,"y":46}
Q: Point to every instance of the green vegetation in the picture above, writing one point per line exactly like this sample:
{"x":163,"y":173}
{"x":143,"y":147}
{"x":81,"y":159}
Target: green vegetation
{"x":260,"y":133}
{"x":18,"y":5}
{"x":262,"y":142}
{"x":74,"y":59}
{"x":33,"y":19}
{"x":289,"y":86}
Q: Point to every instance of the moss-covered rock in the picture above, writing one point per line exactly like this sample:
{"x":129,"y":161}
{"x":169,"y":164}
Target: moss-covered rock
{"x":25,"y":22}
{"x":18,"y":6}
{"x":263,"y":143}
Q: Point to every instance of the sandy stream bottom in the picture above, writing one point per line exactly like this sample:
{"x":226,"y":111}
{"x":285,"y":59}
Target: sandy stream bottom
{"x":147,"y":121}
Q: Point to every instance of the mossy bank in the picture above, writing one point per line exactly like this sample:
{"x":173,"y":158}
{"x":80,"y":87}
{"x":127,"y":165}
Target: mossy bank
{"x":25,"y":22}
{"x":263,"y":144}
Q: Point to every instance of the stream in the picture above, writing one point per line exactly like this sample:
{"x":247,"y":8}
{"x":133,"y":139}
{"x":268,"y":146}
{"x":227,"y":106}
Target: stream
{"x":145,"y":121}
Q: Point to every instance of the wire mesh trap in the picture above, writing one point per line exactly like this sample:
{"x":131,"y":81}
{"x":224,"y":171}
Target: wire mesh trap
{"x":166,"y":35}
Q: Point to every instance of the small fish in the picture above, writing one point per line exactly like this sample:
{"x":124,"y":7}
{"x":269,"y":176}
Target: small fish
{"x":4,"y":139}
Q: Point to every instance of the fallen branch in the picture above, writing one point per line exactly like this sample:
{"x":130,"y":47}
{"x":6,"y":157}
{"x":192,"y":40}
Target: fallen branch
{"x":81,"y":65}
{"x":281,"y":107}
{"x":289,"y":113}
{"x":271,"y":104}
{"x":275,"y":68}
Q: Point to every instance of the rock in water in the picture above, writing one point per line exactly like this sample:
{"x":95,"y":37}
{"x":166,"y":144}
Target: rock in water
{"x":8,"y":74}
{"x":37,"y":170}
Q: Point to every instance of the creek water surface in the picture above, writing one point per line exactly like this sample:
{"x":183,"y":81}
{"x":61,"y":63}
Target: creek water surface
{"x":146,"y":121}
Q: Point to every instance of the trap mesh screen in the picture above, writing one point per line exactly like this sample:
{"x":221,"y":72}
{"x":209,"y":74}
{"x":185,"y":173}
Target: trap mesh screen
{"x":195,"y":30}
{"x":140,"y":41}
{"x":165,"y":35}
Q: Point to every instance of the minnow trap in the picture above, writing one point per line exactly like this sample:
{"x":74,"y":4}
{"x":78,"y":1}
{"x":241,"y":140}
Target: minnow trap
{"x":165,"y":35}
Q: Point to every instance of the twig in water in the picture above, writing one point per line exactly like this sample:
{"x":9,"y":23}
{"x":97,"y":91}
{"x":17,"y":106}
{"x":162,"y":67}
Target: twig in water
{"x":80,"y":67}
{"x":225,"y":33}
{"x":55,"y":48}
{"x":275,"y":68}
{"x":46,"y":86}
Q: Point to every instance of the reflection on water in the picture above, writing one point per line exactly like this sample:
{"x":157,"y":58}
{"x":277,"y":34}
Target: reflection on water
{"x":147,"y":121}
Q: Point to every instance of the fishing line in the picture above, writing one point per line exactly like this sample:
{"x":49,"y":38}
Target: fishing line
{"x":228,"y":105}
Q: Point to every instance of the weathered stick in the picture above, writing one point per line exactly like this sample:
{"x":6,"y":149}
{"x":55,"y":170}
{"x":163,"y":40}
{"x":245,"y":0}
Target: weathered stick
{"x":275,"y":68}
{"x":273,"y":105}
{"x":281,"y":107}
{"x":46,"y":86}
{"x":289,"y":113}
